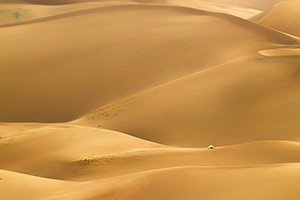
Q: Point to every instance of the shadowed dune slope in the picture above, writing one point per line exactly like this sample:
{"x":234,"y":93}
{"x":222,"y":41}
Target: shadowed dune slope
{"x":69,"y":65}
{"x":21,"y":12}
{"x":284,"y":16}
{"x":28,"y":10}
{"x":265,"y":182}
{"x":11,"y":13}
{"x":241,"y":101}
{"x":47,"y":2}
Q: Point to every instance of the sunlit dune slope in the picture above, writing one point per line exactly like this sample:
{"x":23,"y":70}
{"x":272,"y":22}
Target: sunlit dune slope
{"x":45,"y":151}
{"x":67,"y":66}
{"x":250,"y":99}
{"x":20,"y":11}
{"x":79,"y":153}
{"x":161,"y":80}
{"x":284,"y":16}
{"x":14,"y":13}
{"x":275,"y":182}
{"x":250,"y":154}
{"x":262,"y":182}
{"x":256,"y":4}
{"x":15,"y":186}
{"x":282,"y":52}
{"x":206,"y":5}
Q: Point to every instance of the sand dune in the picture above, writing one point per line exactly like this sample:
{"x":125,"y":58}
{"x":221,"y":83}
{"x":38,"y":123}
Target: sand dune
{"x":161,"y":80}
{"x":208,"y":6}
{"x":256,"y":4}
{"x":284,"y":16}
{"x":237,"y":102}
{"x":64,"y":70}
{"x":281,"y":52}
{"x":45,"y":151}
{"x":47,"y":2}
{"x":68,"y":152}
{"x":266,"y":152}
{"x":20,"y":186}
{"x":175,"y":183}
{"x":13,"y":12}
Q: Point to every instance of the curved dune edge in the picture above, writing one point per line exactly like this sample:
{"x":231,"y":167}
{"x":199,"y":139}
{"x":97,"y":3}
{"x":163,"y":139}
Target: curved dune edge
{"x":70,"y":152}
{"x":17,"y":13}
{"x":242,"y":12}
{"x":255,"y":4}
{"x":181,"y":9}
{"x":171,"y":77}
{"x":284,"y":52}
{"x":180,"y":182}
{"x":255,"y":96}
{"x":284,"y":16}
{"x":14,"y":14}
{"x":63,"y":56}
{"x":245,"y":155}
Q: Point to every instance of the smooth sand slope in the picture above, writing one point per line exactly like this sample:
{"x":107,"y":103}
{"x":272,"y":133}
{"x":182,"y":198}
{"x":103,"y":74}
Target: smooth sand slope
{"x":102,"y":164}
{"x":14,"y":13}
{"x":71,"y":65}
{"x":21,"y":11}
{"x":170,"y":77}
{"x":255,"y":4}
{"x":282,"y":52}
{"x":69,"y":152}
{"x":206,"y":5}
{"x":241,"y":101}
{"x":284,"y":16}
{"x":45,"y":151}
{"x":172,"y":183}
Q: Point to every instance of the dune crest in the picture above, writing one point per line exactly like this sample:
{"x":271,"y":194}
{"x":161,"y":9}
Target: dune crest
{"x":175,"y":183}
{"x":13,"y":13}
{"x":280,"y":52}
{"x":256,"y":4}
{"x":284,"y":16}
{"x":37,"y":76}
{"x":238,"y":94}
{"x":149,"y":100}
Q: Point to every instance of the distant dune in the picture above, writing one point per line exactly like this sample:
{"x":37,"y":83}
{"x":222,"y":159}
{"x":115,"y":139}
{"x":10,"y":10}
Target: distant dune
{"x":14,"y":13}
{"x":255,"y":4}
{"x":47,"y":2}
{"x":72,"y":64}
{"x":19,"y":11}
{"x":284,"y":16}
{"x":207,"y":5}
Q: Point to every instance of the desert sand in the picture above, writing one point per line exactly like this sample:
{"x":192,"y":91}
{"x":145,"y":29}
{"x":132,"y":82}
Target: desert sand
{"x":119,"y":100}
{"x":283,"y":16}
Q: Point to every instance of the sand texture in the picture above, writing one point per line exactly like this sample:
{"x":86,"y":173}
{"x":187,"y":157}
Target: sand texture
{"x":119,"y":100}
